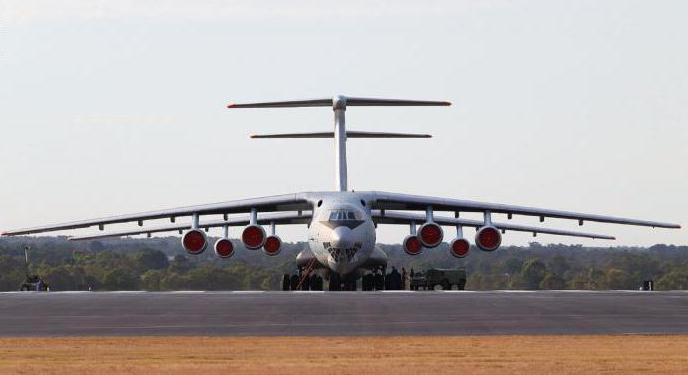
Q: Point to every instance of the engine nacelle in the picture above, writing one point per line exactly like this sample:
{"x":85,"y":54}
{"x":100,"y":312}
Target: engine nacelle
{"x":430,"y":235}
{"x":412,"y":245}
{"x":194,"y":241}
{"x":459,"y":247}
{"x":272,"y":245}
{"x":253,"y":237}
{"x":224,"y":248}
{"x":488,"y":238}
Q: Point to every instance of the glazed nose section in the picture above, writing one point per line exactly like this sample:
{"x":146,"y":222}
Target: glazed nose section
{"x":342,"y":238}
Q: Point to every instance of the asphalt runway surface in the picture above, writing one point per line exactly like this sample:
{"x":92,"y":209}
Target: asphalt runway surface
{"x":342,"y":313}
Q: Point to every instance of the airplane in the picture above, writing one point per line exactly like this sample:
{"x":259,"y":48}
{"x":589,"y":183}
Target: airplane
{"x":341,"y":223}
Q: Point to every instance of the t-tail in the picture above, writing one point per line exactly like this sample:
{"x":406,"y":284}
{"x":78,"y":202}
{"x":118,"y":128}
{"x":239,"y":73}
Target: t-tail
{"x":340,"y":134}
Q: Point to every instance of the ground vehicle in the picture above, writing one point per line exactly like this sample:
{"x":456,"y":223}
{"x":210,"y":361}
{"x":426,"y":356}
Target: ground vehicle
{"x":434,"y":277}
{"x":33,"y":283}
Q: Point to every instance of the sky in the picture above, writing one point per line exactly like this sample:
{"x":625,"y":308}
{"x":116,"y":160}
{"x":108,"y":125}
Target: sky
{"x":119,"y":107}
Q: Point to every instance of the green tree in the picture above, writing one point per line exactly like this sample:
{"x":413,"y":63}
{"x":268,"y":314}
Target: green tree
{"x":618,"y":279}
{"x":151,"y":280}
{"x":674,"y":280}
{"x":120,"y":279}
{"x":558,"y":265}
{"x":152,"y":260}
{"x":533,"y":273}
{"x":553,"y":281}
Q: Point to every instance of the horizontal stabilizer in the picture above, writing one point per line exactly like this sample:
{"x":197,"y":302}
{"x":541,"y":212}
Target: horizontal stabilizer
{"x":349,"y":134}
{"x":285,"y":104}
{"x":340,"y":102}
{"x":393,"y":102}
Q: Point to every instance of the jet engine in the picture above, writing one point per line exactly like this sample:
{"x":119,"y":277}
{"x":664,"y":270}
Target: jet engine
{"x":412,"y":245}
{"x":272,"y":245}
{"x":488,"y":238}
{"x":459,"y":247}
{"x":430,"y":235}
{"x":224,"y":248}
{"x":253,"y":237}
{"x":194,"y":241}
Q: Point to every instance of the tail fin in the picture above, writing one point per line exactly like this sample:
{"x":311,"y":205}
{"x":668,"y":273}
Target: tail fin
{"x":340,"y":135}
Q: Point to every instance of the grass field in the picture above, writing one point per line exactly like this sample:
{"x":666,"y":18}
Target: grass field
{"x":347,"y":355}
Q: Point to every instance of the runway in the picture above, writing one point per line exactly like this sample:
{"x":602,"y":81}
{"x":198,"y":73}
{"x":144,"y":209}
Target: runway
{"x":342,"y":313}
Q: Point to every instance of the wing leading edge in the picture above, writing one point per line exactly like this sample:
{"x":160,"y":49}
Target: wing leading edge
{"x":401,"y":202}
{"x":289,"y":202}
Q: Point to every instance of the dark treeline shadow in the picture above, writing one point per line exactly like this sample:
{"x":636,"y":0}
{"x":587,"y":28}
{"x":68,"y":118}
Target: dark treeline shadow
{"x":161,"y":264}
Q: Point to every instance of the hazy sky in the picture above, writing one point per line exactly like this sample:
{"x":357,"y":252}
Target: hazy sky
{"x":119,"y":107}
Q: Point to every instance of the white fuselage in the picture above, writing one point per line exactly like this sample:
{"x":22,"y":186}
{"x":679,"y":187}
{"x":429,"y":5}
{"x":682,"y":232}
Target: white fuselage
{"x":342,"y":233}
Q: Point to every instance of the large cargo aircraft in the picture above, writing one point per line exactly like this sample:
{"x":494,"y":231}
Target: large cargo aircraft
{"x":341,"y":223}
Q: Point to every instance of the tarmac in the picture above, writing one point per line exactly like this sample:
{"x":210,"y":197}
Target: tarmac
{"x":342,"y":313}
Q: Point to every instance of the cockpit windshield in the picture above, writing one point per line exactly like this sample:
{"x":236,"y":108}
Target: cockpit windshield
{"x":342,"y":215}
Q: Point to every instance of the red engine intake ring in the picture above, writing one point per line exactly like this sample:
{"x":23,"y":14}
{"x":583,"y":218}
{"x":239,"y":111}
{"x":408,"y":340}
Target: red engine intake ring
{"x":412,"y":245}
{"x":488,"y":238}
{"x":224,"y":248}
{"x":253,"y":237}
{"x":459,"y":247}
{"x":430,"y":235}
{"x":194,"y":241}
{"x":272,"y":245}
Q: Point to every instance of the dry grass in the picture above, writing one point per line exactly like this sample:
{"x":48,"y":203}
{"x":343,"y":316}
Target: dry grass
{"x":347,"y":355}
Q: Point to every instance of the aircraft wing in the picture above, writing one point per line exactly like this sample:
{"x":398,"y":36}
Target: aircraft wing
{"x":395,"y":201}
{"x":288,"y":202}
{"x":390,"y":217}
{"x":280,"y":218}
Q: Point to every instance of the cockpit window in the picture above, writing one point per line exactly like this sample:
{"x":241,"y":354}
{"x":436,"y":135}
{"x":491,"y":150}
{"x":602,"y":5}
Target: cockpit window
{"x":341,"y":215}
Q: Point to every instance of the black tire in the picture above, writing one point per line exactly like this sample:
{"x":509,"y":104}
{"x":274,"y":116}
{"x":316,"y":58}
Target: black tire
{"x":446,"y":285}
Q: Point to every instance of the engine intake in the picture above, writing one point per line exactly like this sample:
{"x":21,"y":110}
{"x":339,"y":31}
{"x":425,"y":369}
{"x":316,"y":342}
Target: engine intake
{"x":430,"y":235}
{"x":194,"y":241}
{"x":488,"y":238}
{"x":253,"y":237}
{"x":459,"y":247}
{"x":224,"y":248}
{"x":272,"y":245}
{"x":412,"y":245}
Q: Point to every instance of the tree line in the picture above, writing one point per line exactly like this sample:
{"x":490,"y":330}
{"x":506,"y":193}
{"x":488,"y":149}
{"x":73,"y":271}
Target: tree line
{"x":161,"y":264}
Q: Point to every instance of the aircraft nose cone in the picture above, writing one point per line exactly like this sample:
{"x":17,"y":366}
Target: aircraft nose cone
{"x":342,"y":238}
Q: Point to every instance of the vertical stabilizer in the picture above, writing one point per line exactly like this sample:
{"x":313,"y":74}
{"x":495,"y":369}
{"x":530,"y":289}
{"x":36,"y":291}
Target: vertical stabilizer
{"x":339,"y":104}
